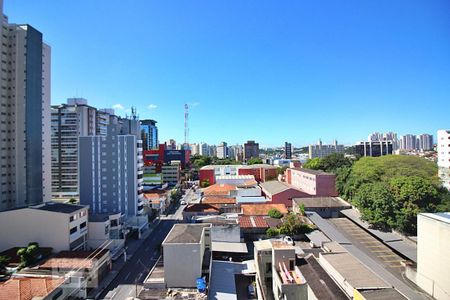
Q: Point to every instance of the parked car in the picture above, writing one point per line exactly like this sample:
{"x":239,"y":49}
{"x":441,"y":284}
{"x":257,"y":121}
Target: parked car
{"x":288,"y":240}
{"x":183,"y":202}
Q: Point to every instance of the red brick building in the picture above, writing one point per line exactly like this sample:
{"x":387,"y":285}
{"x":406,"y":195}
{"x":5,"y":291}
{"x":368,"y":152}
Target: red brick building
{"x":313,"y":182}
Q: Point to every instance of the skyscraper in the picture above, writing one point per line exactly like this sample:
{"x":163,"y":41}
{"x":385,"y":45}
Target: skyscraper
{"x":222,"y":150}
{"x":68,"y":122}
{"x":25,"y":105}
{"x":425,"y":142}
{"x":408,"y":142}
{"x":112,"y":169}
{"x":251,"y":150}
{"x":149,"y":134}
{"x":288,"y":150}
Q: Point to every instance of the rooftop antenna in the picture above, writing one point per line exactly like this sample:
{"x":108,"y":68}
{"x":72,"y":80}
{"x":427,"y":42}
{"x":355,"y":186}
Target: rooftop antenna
{"x":186,"y":126}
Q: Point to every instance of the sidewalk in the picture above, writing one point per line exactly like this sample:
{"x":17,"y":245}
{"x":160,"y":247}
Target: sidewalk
{"x":131,"y":246}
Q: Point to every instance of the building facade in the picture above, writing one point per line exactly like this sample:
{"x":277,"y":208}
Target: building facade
{"x":25,"y":118}
{"x":222,"y":150}
{"x":251,"y":150}
{"x":60,"y":226}
{"x":69,"y":122}
{"x":112,"y":171}
{"x":320,"y":150}
{"x":409,"y":142}
{"x":433,"y":263}
{"x":374,"y":149}
{"x":288,"y":150}
{"x":312,"y":182}
{"x":425,"y":142}
{"x":149,"y":134}
{"x":443,"y":150}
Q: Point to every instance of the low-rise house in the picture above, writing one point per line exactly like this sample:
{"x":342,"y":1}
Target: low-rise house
{"x":91,"y":266}
{"x":186,"y":257}
{"x":31,"y":288}
{"x":262,"y":209}
{"x":106,"y":229}
{"x":326,"y":207}
{"x":281,"y":192}
{"x":60,"y":226}
{"x":199,"y":209}
{"x":312,"y":182}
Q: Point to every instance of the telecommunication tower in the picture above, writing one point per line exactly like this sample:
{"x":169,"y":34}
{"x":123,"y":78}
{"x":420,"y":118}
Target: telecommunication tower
{"x":186,"y":126}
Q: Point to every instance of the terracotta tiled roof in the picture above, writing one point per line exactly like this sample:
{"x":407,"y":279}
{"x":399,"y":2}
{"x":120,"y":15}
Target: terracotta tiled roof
{"x":28,"y":288}
{"x":151,"y":196}
{"x":201,"y":207}
{"x":68,"y":260}
{"x":262,"y":209}
{"x":252,"y":222}
{"x":218,"y":200}
{"x":219,"y":190}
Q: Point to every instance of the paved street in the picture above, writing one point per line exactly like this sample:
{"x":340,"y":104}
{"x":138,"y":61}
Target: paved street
{"x":128,"y":282}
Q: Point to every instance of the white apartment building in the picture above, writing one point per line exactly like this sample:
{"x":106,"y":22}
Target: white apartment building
{"x":320,"y":150}
{"x":69,"y":122}
{"x":60,"y":226}
{"x":222,"y":150}
{"x":204,"y":149}
{"x":433,"y":261}
{"x":443,"y":150}
{"x":24,"y":118}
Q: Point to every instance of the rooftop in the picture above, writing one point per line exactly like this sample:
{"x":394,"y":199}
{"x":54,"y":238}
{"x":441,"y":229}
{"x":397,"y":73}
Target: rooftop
{"x":185,"y":233}
{"x":443,"y":217}
{"x":312,"y":172}
{"x":69,"y":260}
{"x":252,"y":222}
{"x":229,"y":247}
{"x":266,"y":166}
{"x":322,"y":202}
{"x":28,"y":288}
{"x":263,"y":245}
{"x":219,"y":190}
{"x":64,"y":208}
{"x":262,"y":209}
{"x":274,"y":187}
{"x":218,"y":200}
{"x":201,"y":207}
{"x":382,"y":294}
{"x":353,"y":271}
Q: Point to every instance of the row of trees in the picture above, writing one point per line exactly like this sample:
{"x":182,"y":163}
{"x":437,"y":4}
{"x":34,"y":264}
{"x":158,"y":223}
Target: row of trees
{"x":390,"y":190}
{"x":199,"y":161}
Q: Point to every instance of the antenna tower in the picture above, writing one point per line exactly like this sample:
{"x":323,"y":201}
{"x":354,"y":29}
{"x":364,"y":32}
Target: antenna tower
{"x":186,"y":126}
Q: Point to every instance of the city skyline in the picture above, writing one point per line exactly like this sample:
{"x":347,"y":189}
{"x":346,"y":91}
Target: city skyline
{"x":281,"y":60}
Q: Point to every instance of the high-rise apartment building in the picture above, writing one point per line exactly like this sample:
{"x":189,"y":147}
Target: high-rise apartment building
{"x":408,"y":142}
{"x":195,"y":149}
{"x":320,"y":150}
{"x":443,"y":150}
{"x":25,"y":119}
{"x":69,"y":122}
{"x":112,"y":168}
{"x":425,"y":142}
{"x":204,"y":149}
{"x":251,"y":150}
{"x":149,"y":134}
{"x":222,"y":150}
{"x":288,"y":150}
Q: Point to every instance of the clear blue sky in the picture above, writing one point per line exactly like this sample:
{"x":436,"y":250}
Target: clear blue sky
{"x":272,"y":71}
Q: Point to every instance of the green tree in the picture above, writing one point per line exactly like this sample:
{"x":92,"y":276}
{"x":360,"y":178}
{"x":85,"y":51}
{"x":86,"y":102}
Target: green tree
{"x":302,"y":209}
{"x":254,"y":161}
{"x":313,"y":164}
{"x":333,"y":162}
{"x":275,"y":213}
{"x":271,"y":232}
{"x":204,"y":183}
{"x":28,"y":255}
{"x":72,"y":201}
{"x":292,"y":225}
{"x":4,"y":260}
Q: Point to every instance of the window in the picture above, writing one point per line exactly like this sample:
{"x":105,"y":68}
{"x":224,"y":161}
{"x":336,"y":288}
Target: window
{"x":73,"y":230}
{"x":82,"y":225}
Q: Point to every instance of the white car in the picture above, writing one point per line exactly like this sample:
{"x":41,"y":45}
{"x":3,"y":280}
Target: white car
{"x":183,"y":202}
{"x":288,"y":240}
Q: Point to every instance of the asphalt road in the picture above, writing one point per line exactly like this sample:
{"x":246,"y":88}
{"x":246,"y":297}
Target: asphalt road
{"x":128,"y":282}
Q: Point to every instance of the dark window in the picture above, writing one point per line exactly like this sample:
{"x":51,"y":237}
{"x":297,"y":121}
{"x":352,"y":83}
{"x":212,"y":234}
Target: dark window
{"x":73,"y":230}
{"x":82,"y":225}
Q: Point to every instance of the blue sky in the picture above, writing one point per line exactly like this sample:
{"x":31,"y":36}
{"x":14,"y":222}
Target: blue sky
{"x":272,"y":71}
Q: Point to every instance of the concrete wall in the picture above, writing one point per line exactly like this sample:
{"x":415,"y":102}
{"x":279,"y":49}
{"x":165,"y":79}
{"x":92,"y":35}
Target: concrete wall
{"x":286,"y":197}
{"x":433,"y":261}
{"x":22,"y":226}
{"x":182,"y":264}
